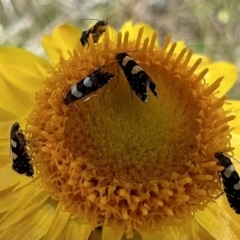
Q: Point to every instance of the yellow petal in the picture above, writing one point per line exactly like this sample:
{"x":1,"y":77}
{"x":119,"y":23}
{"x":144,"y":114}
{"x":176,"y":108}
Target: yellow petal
{"x":5,"y":159}
{"x":24,"y":181}
{"x":6,"y":115}
{"x":190,"y":230}
{"x":33,"y":226}
{"x":8,"y":177}
{"x":234,"y":106}
{"x":111,"y":33}
{"x":5,"y":146}
{"x":85,"y":231}
{"x":112,"y":233}
{"x":30,"y":199}
{"x":220,"y":220}
{"x":133,"y":30}
{"x":180,"y":46}
{"x":205,"y":61}
{"x":65,"y":37}
{"x":73,"y":230}
{"x":235,"y":142}
{"x":59,"y":222}
{"x":9,"y":196}
{"x":21,"y":74}
{"x":219,"y":69}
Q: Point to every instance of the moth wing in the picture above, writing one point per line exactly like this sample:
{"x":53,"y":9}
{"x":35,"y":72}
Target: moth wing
{"x":138,"y":83}
{"x":103,"y":79}
{"x":152,"y":86}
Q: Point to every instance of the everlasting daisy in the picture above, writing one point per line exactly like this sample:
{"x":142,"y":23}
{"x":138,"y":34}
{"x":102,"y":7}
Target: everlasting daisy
{"x":134,"y":169}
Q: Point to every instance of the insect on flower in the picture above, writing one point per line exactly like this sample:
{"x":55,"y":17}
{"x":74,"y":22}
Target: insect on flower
{"x":231,"y":181}
{"x":97,"y":30}
{"x":20,"y":156}
{"x":137,"y":78}
{"x":88,"y":85}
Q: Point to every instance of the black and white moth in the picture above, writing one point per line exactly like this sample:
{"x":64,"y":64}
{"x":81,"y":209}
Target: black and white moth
{"x":137,"y":78}
{"x":97,"y":30}
{"x":88,"y":85}
{"x":20,"y":156}
{"x":231,"y":181}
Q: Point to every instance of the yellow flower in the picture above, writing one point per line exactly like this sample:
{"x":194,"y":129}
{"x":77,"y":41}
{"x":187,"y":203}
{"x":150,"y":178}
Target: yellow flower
{"x":115,"y":162}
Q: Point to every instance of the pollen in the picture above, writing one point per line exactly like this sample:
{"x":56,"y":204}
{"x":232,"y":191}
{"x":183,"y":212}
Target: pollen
{"x":111,"y":159}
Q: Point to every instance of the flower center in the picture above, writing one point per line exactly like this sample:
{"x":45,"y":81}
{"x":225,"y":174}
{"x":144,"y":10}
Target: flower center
{"x":131,"y":141}
{"x":117,"y":159}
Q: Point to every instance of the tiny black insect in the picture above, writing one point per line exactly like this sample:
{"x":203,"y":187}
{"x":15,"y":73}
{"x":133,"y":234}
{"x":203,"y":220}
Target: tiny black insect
{"x":97,"y":30}
{"x":136,"y":76}
{"x":20,"y":156}
{"x":231,"y":181}
{"x":88,"y":85}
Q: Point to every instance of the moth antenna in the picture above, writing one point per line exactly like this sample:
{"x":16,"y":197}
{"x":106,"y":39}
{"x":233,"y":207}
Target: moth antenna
{"x":75,"y":105}
{"x":86,"y":99}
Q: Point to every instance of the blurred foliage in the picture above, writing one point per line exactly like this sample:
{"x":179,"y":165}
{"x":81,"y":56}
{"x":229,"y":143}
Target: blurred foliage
{"x":209,"y":27}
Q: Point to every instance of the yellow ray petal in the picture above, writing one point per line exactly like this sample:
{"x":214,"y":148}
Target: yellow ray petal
{"x":190,"y":230}
{"x":85,"y":231}
{"x":59,"y":222}
{"x":32,"y":227}
{"x":180,"y":46}
{"x":72,"y":231}
{"x":235,"y":142}
{"x":31,"y":198}
{"x":5,"y":147}
{"x":11,"y":195}
{"x":112,"y":233}
{"x":205,"y":61}
{"x":133,"y":30}
{"x":22,"y":67}
{"x":15,"y":100}
{"x":220,"y":220}
{"x":64,"y":38}
{"x":235,"y":107}
{"x":111,"y":33}
{"x":5,"y":159}
{"x":8,"y":177}
{"x":25,"y":180}
{"x":10,"y":199}
{"x":218,"y":69}
{"x":21,"y":74}
{"x":6,"y":115}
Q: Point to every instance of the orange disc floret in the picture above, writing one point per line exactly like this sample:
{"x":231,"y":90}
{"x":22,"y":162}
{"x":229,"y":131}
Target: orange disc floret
{"x":114,"y":160}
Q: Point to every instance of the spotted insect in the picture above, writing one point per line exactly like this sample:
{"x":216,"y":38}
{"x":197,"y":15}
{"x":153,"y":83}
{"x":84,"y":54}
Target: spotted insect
{"x":97,"y":30}
{"x":88,"y":85}
{"x":20,"y":156}
{"x":137,"y":78}
{"x":231,"y":181}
